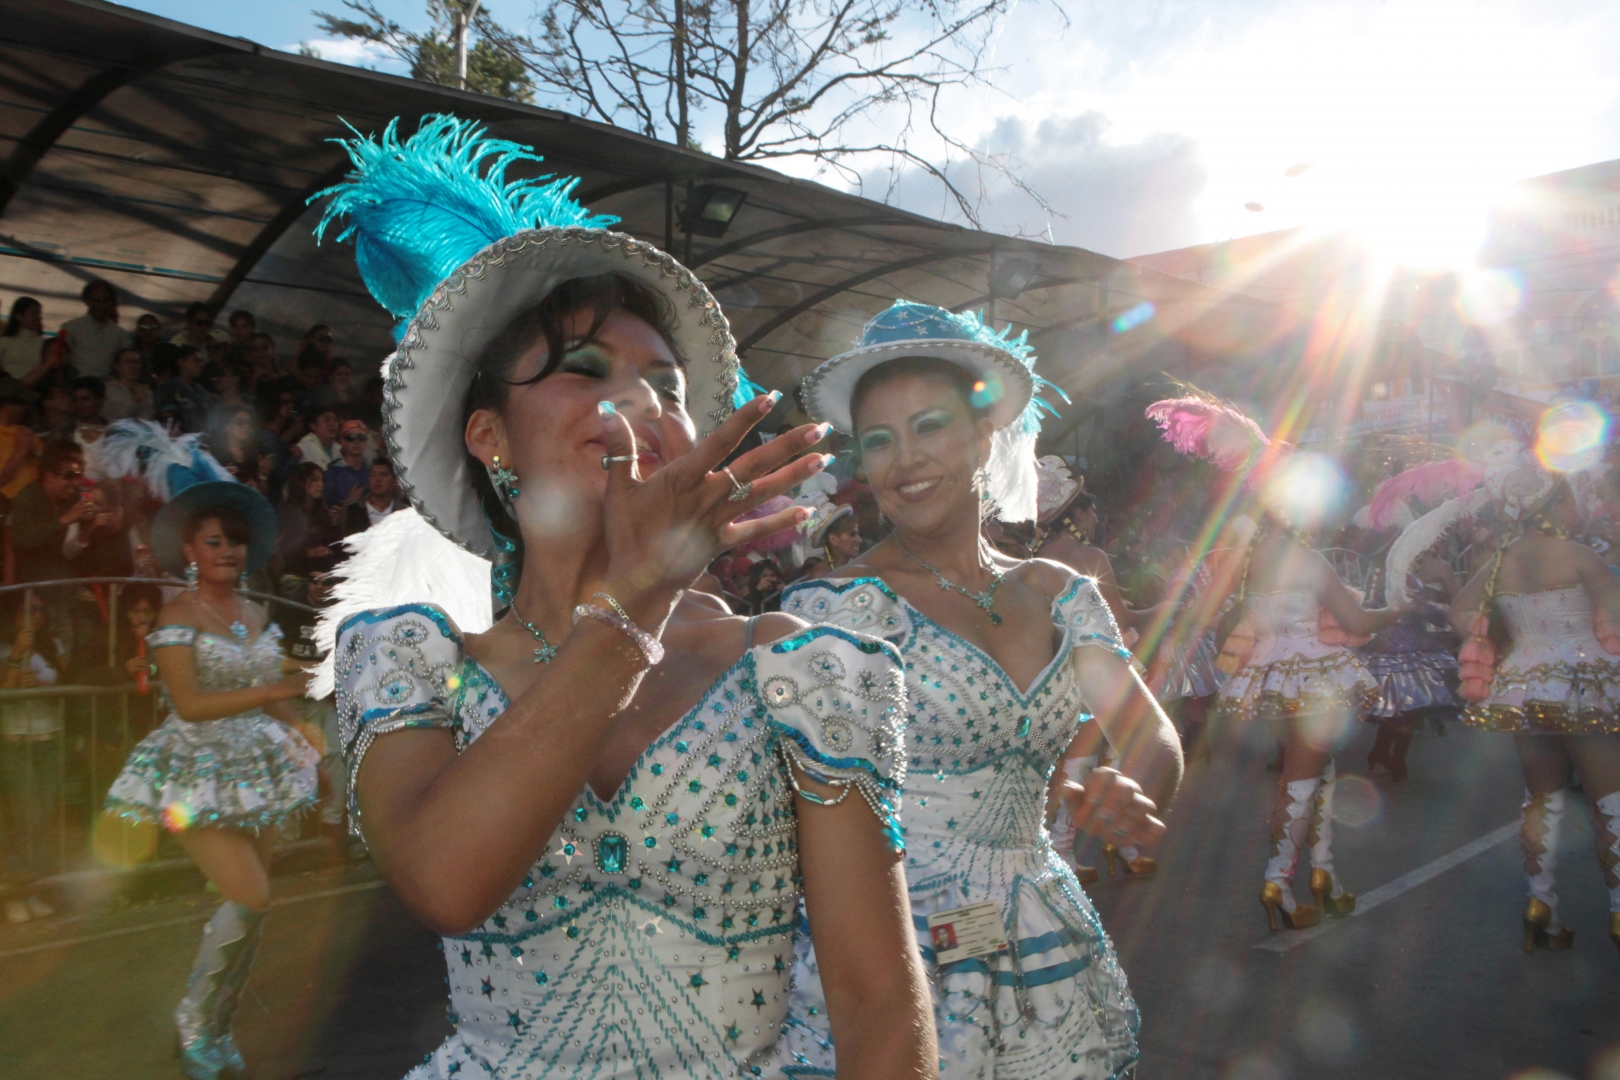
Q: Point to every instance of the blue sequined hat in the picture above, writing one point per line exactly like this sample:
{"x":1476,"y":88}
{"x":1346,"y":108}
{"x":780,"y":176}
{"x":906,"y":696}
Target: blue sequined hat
{"x":1006,"y":386}
{"x":168,"y":546}
{"x":455,"y":250}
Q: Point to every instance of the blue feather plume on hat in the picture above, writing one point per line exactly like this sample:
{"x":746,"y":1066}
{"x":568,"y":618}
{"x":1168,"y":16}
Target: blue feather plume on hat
{"x":420,"y":208}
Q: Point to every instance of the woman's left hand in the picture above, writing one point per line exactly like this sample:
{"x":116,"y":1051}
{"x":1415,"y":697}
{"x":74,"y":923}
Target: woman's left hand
{"x":1111,"y":807}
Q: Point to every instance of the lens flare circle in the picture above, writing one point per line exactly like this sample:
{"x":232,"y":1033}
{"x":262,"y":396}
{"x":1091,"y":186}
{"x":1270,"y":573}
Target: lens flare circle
{"x":177,"y":817}
{"x":1488,"y":297}
{"x":1572,"y":436}
{"x":1131,"y":318}
{"x":1306,"y":489}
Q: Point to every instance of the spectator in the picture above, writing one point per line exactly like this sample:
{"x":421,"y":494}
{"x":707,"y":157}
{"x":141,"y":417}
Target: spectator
{"x":260,"y":363}
{"x":346,"y":477}
{"x":280,"y":428}
{"x":55,"y":412}
{"x":307,"y":533}
{"x":309,"y":375}
{"x":239,"y":329}
{"x":162,"y":363}
{"x":369,"y":407}
{"x":226,"y":385}
{"x":198,"y":328}
{"x":233,"y":440}
{"x":316,"y":342}
{"x":319,"y":447}
{"x":218,"y":352}
{"x":128,"y":395}
{"x":30,"y":759}
{"x":95,"y":337}
{"x":138,"y":606}
{"x":52,"y":521}
{"x":89,"y":423}
{"x":182,"y":401}
{"x":148,"y":336}
{"x":764,"y":592}
{"x":19,"y":447}
{"x":339,"y":389}
{"x":382,"y":498}
{"x":22,"y":342}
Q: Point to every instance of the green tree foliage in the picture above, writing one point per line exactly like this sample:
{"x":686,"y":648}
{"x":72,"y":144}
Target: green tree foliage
{"x":491,"y":69}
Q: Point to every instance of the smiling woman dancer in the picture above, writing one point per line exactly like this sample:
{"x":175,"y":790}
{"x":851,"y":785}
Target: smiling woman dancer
{"x":1003,"y":661}
{"x":611,"y":801}
{"x":224,"y":769}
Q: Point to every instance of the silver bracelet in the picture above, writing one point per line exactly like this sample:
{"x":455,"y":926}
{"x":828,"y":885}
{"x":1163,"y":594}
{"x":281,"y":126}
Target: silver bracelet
{"x":650,"y":646}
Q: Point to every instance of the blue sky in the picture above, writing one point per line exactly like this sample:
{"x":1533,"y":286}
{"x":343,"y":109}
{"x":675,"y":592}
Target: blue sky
{"x":1150,"y":124}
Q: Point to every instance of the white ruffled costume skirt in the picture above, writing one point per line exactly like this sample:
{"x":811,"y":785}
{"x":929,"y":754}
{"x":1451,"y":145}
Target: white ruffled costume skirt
{"x":245,"y":772}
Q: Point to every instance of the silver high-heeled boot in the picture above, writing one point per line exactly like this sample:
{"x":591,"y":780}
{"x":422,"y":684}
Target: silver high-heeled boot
{"x":218,"y":975}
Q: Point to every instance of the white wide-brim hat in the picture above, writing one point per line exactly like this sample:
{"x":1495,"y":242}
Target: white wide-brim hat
{"x":428,"y":378}
{"x":908,"y":329}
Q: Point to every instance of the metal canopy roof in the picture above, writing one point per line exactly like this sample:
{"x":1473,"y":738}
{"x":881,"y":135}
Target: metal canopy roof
{"x":176,"y":163}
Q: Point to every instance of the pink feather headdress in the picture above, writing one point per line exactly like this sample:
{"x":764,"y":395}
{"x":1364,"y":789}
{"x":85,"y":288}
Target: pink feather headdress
{"x":1204,"y":428}
{"x":772,"y":542}
{"x":1431,"y":483}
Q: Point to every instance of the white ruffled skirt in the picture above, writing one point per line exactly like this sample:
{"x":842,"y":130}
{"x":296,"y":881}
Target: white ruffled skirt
{"x":246,"y":772}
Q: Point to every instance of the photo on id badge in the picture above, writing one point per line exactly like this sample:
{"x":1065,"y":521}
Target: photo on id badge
{"x":965,"y":932}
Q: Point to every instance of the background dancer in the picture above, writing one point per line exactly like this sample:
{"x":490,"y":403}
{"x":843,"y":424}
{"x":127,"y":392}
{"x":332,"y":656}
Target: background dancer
{"x":1290,"y":679}
{"x":225,"y":769}
{"x":993,"y":705}
{"x":1557,"y":687}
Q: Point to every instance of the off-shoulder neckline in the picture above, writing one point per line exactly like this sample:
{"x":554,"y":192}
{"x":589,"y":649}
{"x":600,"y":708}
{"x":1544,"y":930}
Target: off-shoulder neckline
{"x":233,"y":642}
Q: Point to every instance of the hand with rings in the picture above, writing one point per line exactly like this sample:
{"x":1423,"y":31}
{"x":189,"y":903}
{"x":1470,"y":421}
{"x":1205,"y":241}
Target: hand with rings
{"x":1110,"y":805}
{"x":662,"y":530}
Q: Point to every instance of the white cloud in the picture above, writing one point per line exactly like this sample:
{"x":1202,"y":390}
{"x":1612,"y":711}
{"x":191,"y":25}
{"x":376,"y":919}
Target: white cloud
{"x":362,"y":54}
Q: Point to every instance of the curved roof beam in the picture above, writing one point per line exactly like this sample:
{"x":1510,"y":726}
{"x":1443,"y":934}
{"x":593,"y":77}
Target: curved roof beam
{"x":782,"y":318}
{"x":92,"y":92}
{"x":765,"y":235}
{"x":285,"y":218}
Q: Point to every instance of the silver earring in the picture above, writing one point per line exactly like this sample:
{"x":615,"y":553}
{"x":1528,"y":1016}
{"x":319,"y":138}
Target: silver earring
{"x":191,"y":577}
{"x":243,"y":582}
{"x":504,"y":479}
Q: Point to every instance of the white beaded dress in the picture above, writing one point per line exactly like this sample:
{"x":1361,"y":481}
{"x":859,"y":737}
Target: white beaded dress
{"x":1556,"y":679}
{"x":248,"y":771}
{"x":653,"y":938}
{"x":1056,"y":1007}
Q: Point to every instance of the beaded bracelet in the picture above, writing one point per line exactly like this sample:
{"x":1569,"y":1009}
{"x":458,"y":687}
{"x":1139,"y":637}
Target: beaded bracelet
{"x":650,"y":646}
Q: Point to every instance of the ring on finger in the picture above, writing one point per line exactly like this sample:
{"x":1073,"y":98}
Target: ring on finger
{"x":609,"y":460}
{"x":739,"y":490}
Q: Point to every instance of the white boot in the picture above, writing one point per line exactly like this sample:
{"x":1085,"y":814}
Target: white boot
{"x":1289,"y":825}
{"x":1325,"y":884}
{"x":1541,"y":821}
{"x":1606,"y":831}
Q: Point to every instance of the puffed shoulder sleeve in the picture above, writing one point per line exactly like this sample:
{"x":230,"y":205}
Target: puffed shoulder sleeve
{"x":1084,"y":612}
{"x":837,"y":702}
{"x":176,"y":634}
{"x":864,"y":604}
{"x":392,"y":668}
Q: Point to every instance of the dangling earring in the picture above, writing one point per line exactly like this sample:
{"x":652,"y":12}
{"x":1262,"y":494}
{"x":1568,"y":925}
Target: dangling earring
{"x":191,"y":577}
{"x":242,"y":584}
{"x":505,"y":480}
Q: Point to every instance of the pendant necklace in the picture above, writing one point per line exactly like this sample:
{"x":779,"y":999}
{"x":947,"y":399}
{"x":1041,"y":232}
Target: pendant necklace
{"x":985,"y":599}
{"x":547,"y":651}
{"x":239,"y":629}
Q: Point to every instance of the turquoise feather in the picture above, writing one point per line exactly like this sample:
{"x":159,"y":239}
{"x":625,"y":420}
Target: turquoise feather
{"x":420,"y":208}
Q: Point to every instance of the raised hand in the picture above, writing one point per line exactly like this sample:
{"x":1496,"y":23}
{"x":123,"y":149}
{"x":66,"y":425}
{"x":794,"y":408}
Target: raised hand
{"x":662,"y":531}
{"x":1111,"y":807}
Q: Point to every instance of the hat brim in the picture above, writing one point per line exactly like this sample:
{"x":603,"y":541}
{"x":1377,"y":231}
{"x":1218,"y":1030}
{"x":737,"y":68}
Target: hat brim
{"x":818,"y":535}
{"x":829,"y":388}
{"x":168,"y":547}
{"x":429,"y":376}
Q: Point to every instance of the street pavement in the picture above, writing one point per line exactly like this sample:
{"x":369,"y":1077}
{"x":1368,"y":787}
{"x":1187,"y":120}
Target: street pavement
{"x":1430,"y":982}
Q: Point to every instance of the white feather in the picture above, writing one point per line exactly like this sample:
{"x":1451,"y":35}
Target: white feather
{"x":1013,"y":481}
{"x":403,"y":560}
{"x":1422,"y":535}
{"x":142,"y":450}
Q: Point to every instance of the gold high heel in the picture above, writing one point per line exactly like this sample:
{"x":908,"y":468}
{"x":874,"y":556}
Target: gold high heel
{"x":1119,"y":864}
{"x":1271,"y":898}
{"x":1537,"y":917}
{"x":1087,"y":875}
{"x":1322,"y":889}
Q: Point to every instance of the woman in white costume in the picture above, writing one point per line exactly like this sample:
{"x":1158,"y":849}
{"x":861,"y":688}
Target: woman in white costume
{"x":611,"y":801}
{"x":1004,"y":659}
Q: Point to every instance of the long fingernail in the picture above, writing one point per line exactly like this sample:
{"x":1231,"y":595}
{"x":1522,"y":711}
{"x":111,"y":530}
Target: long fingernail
{"x":821,"y":462}
{"x":770,"y":401}
{"x":606,"y":409}
{"x":816,"y":434}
